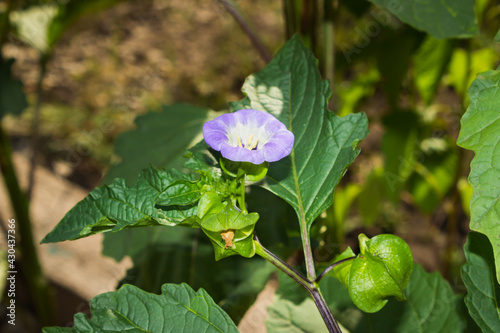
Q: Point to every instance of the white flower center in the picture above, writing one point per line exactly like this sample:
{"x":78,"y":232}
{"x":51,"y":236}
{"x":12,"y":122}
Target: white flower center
{"x":249,"y":145}
{"x":249,"y":136}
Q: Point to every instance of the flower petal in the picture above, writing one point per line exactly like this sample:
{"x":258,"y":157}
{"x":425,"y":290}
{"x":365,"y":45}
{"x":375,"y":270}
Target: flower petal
{"x":272,"y":139}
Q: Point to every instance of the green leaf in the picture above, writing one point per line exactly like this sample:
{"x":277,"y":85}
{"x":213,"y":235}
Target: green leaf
{"x":497,"y":37}
{"x":399,"y":146}
{"x":115,"y":207}
{"x":178,"y":309}
{"x":483,"y":291}
{"x":12,"y":98}
{"x":441,"y":19}
{"x":480,"y":132}
{"x":291,"y":89}
{"x":160,"y":138}
{"x":201,"y":158}
{"x":32,"y":25}
{"x":431,"y":61}
{"x":181,"y":192}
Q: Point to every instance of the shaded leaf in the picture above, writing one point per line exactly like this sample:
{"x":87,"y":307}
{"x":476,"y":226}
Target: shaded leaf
{"x":399,"y":146}
{"x":480,"y":132}
{"x":160,"y":138}
{"x":284,"y":316}
{"x":12,"y":98}
{"x":393,"y":54}
{"x":178,"y":309}
{"x":291,"y":89}
{"x":483,"y":291}
{"x":441,"y":19}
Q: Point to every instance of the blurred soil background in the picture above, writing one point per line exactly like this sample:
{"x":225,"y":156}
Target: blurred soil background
{"x":122,"y":62}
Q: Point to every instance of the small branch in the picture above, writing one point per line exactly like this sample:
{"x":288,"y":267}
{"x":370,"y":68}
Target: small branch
{"x":256,"y":42}
{"x":241,"y":196}
{"x":311,"y":287}
{"x":283,"y":266}
{"x":329,"y":268}
{"x":326,"y":314}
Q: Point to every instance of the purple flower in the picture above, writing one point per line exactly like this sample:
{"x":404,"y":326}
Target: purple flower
{"x":249,"y":136}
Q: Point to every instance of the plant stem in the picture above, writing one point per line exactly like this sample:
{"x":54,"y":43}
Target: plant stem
{"x":241,"y":196}
{"x":39,"y":287}
{"x":311,"y":287}
{"x":245,"y":26}
{"x":326,"y":314}
{"x":283,"y":266}
{"x":329,"y":268}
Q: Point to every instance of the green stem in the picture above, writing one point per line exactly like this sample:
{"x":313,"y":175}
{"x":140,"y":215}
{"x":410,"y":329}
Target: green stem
{"x":241,"y":196}
{"x":311,"y":287}
{"x":39,"y":288}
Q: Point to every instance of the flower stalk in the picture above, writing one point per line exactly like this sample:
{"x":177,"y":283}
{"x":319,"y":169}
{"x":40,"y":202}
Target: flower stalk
{"x":311,"y":287}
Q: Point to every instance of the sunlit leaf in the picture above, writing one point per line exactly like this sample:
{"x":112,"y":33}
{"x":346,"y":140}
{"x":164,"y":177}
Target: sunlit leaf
{"x":33,"y":25}
{"x":480,"y":132}
{"x":431,"y":60}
